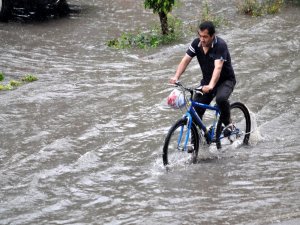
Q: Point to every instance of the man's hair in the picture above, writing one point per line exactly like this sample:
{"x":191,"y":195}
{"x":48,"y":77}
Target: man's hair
{"x":208,"y":25}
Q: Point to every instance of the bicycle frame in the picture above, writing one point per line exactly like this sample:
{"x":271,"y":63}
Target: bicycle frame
{"x":184,"y":136}
{"x":192,"y":115}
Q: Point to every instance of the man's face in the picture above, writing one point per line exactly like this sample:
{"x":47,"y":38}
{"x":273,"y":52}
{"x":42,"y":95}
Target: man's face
{"x":205,"y":38}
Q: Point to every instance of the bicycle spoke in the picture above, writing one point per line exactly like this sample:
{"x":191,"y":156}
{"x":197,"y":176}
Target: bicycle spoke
{"x":240,"y":125}
{"x":175,"y":152}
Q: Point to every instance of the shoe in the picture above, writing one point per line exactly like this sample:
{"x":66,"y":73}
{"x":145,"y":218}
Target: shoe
{"x":190,"y":149}
{"x":228,"y":130}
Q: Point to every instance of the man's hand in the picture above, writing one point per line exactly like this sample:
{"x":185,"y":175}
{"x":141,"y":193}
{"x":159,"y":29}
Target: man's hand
{"x":173,"y":80}
{"x":215,"y":76}
{"x":206,"y":89}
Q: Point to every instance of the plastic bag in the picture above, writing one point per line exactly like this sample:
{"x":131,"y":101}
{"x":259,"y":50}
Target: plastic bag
{"x":176,"y":99}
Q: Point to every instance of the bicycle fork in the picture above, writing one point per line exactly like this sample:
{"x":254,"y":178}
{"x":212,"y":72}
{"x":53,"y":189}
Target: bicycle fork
{"x":187,"y":135}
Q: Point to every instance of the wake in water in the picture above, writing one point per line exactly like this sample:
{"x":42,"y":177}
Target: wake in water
{"x":209,"y":153}
{"x":255,"y":136}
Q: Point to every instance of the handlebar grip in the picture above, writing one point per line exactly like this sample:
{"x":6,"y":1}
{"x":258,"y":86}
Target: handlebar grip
{"x":198,"y":90}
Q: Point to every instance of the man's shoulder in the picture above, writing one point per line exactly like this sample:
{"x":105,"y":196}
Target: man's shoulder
{"x":193,"y":48}
{"x":195,"y":42}
{"x":220,"y":41}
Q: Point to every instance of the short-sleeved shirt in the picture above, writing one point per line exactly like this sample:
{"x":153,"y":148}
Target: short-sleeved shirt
{"x":218,"y":51}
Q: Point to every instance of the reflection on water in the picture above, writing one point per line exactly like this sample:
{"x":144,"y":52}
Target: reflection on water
{"x":83,"y":143}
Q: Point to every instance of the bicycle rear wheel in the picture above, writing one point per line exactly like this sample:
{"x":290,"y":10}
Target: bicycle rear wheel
{"x":241,"y":121}
{"x":173,"y":150}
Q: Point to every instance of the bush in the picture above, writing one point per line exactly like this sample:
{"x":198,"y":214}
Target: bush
{"x":259,"y":8}
{"x":29,"y":78}
{"x":250,"y":7}
{"x":1,"y":76}
{"x":15,"y":83}
{"x":273,"y":6}
{"x":207,"y":15}
{"x":150,"y":39}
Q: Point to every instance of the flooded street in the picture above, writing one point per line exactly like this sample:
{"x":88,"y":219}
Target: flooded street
{"x":83,"y":144}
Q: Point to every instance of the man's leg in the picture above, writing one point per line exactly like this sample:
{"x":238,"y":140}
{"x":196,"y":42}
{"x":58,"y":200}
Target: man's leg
{"x":204,"y":99}
{"x":223,"y":93}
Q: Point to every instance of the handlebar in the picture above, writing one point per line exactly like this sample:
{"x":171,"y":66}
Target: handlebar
{"x":197,"y":90}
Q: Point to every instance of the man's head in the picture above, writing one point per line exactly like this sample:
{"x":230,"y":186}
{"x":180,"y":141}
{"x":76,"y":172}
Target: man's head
{"x":206,"y":33}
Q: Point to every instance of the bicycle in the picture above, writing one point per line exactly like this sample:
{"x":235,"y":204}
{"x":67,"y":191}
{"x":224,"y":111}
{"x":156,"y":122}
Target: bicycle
{"x":184,"y":136}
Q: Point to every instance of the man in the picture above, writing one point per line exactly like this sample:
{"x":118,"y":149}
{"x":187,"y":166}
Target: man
{"x":218,"y":75}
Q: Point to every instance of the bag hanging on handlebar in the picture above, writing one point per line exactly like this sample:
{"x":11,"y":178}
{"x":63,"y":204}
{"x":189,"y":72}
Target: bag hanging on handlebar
{"x":176,"y":99}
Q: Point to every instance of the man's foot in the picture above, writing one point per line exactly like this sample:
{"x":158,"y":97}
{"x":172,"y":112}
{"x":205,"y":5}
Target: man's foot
{"x":219,"y":146}
{"x":228,"y":130}
{"x":190,"y":149}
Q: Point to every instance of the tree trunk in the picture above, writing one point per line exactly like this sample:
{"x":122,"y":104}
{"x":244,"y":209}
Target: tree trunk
{"x":5,"y":10}
{"x":164,"y":23}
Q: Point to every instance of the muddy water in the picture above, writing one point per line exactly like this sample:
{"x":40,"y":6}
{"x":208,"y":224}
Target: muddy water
{"x":82,"y":144}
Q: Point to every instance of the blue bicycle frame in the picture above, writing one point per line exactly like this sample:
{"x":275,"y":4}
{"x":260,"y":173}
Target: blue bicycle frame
{"x":191,"y":115}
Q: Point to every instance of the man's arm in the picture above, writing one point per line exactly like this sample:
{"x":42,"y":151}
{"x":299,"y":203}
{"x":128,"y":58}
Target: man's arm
{"x":215,"y":76}
{"x":181,"y":68}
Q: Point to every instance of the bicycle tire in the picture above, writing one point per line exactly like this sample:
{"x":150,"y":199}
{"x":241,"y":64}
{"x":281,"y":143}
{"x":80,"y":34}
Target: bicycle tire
{"x":171,"y":151}
{"x":243,"y":120}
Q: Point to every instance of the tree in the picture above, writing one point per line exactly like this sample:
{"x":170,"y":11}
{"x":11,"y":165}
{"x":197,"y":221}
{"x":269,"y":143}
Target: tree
{"x":162,"y":8}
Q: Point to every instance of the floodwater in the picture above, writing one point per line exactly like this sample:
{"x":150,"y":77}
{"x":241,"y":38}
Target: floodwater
{"x":83,"y":144}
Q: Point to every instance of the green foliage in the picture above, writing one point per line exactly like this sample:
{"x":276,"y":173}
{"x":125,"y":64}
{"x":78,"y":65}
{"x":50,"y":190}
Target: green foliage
{"x":273,"y":6}
{"x":15,"y":83}
{"x":29,"y":78}
{"x":129,"y":40}
{"x":150,"y":39}
{"x":2,"y":87}
{"x":207,"y":15}
{"x":1,"y":76}
{"x":250,"y":7}
{"x":162,"y":8}
{"x":159,"y":5}
{"x":5,"y":87}
{"x":259,"y":8}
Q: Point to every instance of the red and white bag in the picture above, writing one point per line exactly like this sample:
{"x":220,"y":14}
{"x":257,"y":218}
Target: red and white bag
{"x":176,"y":99}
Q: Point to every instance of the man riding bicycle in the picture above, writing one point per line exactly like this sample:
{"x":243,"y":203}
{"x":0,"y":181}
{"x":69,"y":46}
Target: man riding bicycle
{"x":218,"y":75}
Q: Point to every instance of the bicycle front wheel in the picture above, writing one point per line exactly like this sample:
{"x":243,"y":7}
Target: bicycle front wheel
{"x":240,"y":118}
{"x":173,"y":150}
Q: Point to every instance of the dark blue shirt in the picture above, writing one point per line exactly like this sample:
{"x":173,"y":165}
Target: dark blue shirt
{"x":218,"y":51}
